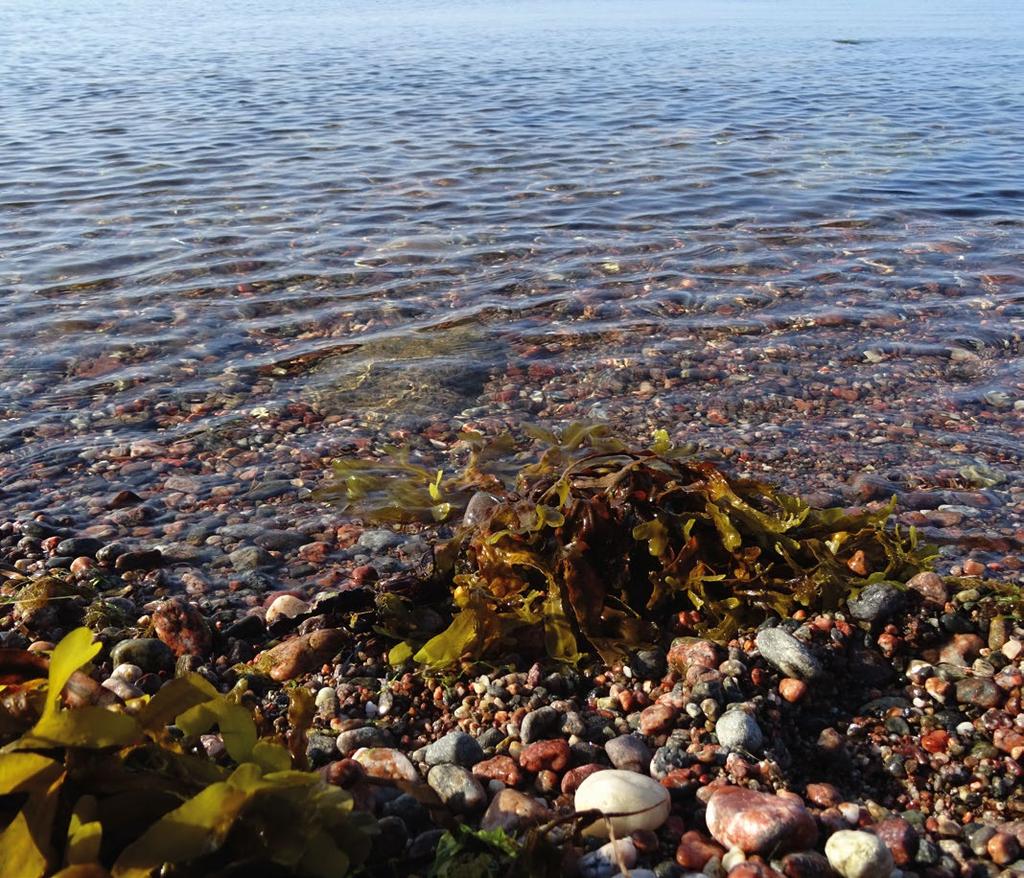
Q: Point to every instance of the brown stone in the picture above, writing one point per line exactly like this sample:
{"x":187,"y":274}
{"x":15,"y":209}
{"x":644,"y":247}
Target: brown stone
{"x":694,"y":851}
{"x":511,"y":811}
{"x":753,"y":869}
{"x":759,"y":823}
{"x":81,"y":564}
{"x":687,"y":651}
{"x":824,"y":795}
{"x":551,"y":755}
{"x":658,"y":719}
{"x":930,"y":586}
{"x":900,"y":837}
{"x":1003,"y":848}
{"x":575,"y":776}
{"x":182,"y":627}
{"x":935,"y":741}
{"x":1009,"y":741}
{"x":807,"y":864}
{"x":792,"y":690}
{"x":962,"y":649}
{"x":501,"y":768}
{"x":387,"y":763}
{"x":858,"y":563}
{"x":303,"y":654}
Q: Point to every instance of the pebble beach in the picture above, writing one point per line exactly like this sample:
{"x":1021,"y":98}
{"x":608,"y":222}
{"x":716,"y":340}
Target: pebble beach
{"x":213,"y":295}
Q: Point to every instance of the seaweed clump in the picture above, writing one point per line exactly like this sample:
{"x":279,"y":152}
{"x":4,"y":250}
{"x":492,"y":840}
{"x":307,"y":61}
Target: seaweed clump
{"x":597,"y":547}
{"x":92,"y":792}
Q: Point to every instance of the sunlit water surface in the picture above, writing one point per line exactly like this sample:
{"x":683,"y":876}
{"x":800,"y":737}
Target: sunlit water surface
{"x":392,"y":211}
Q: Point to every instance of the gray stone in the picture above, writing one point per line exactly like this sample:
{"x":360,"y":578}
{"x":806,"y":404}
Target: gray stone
{"x":604,"y":862}
{"x":76,"y":547}
{"x":879,"y":602}
{"x":457,"y":788}
{"x":244,"y":531}
{"x":148,"y":653}
{"x":378,"y":540}
{"x":251,"y":558}
{"x":738,"y":730}
{"x":366,"y":736}
{"x":455,"y":748}
{"x":787,"y":654}
{"x":629,"y":753}
{"x":320,"y":749}
{"x":281,"y":540}
{"x":668,"y":758}
{"x":537,"y":723}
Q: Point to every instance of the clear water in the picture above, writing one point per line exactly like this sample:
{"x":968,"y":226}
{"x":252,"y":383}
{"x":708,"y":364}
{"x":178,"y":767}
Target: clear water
{"x":392,"y":211}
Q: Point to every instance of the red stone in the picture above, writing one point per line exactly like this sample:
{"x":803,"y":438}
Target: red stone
{"x":552,"y":755}
{"x":501,"y":768}
{"x":657,"y":719}
{"x":759,"y":822}
{"x":694,"y":851}
{"x":900,"y":837}
{"x":936,"y":741}
{"x":182,"y":627}
{"x":575,"y":776}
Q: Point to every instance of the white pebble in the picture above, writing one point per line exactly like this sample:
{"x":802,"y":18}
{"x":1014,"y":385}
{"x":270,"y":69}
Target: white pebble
{"x":617,"y":792}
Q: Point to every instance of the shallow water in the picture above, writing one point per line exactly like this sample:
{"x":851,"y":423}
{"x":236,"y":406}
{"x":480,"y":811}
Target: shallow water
{"x":762,"y":223}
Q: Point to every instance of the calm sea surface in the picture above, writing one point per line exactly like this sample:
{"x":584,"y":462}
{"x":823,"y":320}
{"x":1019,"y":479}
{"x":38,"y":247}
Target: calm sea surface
{"x":718,"y":215}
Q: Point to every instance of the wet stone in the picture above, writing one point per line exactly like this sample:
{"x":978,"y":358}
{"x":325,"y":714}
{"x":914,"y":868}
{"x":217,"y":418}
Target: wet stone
{"x":387,"y":763}
{"x":379,"y":540}
{"x":183,"y":628}
{"x":930,"y":586}
{"x":77,"y":546}
{"x":501,"y":768}
{"x":978,"y":691}
{"x":148,"y":653}
{"x":694,"y":851}
{"x":806,"y":864}
{"x":249,"y":558}
{"x":551,"y":755}
{"x":303,"y":654}
{"x":148,"y":559}
{"x":281,"y":540}
{"x":877,"y":603}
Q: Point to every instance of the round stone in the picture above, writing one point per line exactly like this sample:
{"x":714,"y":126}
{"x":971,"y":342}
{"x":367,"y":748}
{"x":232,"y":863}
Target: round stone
{"x":855,"y":854}
{"x":643,"y":803}
{"x":738,"y":730}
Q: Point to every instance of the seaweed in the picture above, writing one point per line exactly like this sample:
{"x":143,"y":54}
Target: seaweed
{"x":594,"y":547}
{"x":110,"y":793}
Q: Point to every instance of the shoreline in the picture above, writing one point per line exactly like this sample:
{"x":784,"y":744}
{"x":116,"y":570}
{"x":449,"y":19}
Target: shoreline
{"x":912,"y":731}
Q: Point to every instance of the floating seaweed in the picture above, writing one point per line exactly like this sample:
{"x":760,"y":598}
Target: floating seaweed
{"x":596,"y":547}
